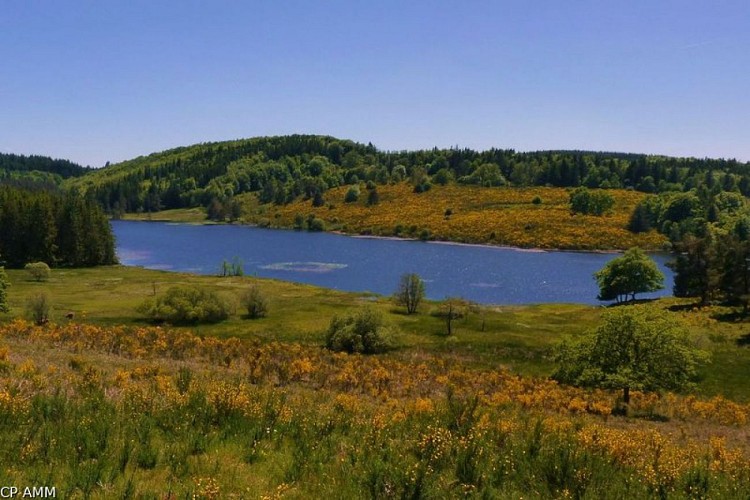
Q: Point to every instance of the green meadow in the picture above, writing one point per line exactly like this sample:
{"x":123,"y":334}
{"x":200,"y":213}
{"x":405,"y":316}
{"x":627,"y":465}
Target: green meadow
{"x":519,"y":338}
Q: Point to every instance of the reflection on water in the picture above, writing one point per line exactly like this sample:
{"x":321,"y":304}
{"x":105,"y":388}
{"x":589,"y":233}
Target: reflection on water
{"x":304,"y":267}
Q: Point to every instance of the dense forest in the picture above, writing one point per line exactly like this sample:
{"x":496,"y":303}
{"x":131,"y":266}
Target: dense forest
{"x":282,"y":169}
{"x":37,"y":171}
{"x":52,"y":227}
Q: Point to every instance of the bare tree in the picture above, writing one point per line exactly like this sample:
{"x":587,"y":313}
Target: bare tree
{"x":410,"y":292}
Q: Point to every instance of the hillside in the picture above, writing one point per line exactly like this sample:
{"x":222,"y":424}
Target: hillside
{"x":284,"y":169}
{"x":537,"y":217}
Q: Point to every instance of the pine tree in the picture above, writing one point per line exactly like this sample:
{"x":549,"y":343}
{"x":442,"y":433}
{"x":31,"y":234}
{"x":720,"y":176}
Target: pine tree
{"x":639,"y":220}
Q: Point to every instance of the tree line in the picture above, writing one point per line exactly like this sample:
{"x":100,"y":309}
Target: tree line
{"x":61,"y":229}
{"x":282,"y":169}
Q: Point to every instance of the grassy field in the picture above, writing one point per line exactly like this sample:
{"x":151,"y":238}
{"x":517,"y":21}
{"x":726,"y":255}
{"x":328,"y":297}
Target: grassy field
{"x":187,"y":215}
{"x":142,"y":412}
{"x":518,"y":338}
{"x":499,"y":216}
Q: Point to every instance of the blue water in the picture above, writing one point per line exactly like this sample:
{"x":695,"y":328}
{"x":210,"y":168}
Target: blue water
{"x":489,"y":275}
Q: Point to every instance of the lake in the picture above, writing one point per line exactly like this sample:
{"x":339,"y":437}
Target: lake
{"x":485,"y":274}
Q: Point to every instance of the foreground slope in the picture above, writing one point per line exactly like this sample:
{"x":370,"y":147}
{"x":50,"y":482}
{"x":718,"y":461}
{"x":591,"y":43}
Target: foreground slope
{"x":116,"y":412}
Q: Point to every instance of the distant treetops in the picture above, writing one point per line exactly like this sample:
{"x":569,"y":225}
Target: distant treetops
{"x":282,"y":169}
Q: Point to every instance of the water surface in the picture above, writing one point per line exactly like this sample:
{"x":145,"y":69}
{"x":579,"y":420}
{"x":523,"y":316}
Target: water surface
{"x":489,"y":275}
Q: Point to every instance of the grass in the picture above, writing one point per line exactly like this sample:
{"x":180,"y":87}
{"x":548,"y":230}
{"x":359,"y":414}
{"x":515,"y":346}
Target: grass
{"x":105,"y":411}
{"x":188,"y":215}
{"x":519,"y":338}
{"x":301,"y":313}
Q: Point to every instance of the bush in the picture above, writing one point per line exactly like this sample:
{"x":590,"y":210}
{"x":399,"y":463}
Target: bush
{"x":186,"y":305}
{"x":299,"y":222}
{"x":373,"y":198}
{"x":442,"y":176}
{"x":38,"y":307}
{"x":316,"y":224}
{"x":537,"y":200}
{"x":583,"y":201}
{"x":362,"y":332}
{"x":352,"y":195}
{"x":39,"y":271}
{"x":255,"y":302}
{"x":423,"y":187}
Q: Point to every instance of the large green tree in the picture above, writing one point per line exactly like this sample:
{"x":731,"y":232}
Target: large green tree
{"x":625,"y":276}
{"x":638,"y":348}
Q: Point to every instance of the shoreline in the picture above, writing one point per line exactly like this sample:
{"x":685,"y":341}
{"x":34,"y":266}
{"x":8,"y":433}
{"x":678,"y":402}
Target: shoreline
{"x":393,"y":238}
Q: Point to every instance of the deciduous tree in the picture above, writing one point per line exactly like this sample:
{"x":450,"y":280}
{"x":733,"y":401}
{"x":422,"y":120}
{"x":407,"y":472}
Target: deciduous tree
{"x":636,"y":348}
{"x":633,"y":272}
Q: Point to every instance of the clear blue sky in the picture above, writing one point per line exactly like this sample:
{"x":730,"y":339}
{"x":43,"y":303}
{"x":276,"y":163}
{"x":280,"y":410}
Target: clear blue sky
{"x":101,"y":80}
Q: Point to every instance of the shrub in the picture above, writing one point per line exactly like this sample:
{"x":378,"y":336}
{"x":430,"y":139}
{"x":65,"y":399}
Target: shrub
{"x":318,"y":200}
{"x":363,"y":332}
{"x":442,"y":176}
{"x":352,"y":195}
{"x":316,"y":224}
{"x":583,"y":201}
{"x":38,"y":307}
{"x":537,"y":200}
{"x":39,"y":271}
{"x":186,"y":305}
{"x":423,"y":187}
{"x":299,"y":221}
{"x":373,"y":198}
{"x":234,"y":268}
{"x":255,"y":302}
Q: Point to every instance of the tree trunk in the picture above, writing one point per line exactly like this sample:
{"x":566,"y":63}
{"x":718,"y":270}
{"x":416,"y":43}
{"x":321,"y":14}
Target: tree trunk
{"x":449,"y":319}
{"x":626,"y":395}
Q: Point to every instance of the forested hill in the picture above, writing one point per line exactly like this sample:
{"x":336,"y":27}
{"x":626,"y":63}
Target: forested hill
{"x":37,"y":170}
{"x":282,"y":169}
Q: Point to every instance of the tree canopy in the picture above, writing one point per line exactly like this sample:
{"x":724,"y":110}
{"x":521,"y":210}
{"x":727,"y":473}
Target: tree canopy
{"x":625,"y":276}
{"x":634,"y":347}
